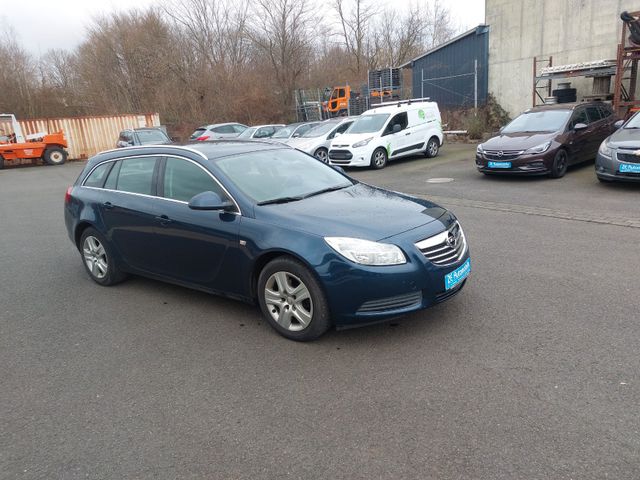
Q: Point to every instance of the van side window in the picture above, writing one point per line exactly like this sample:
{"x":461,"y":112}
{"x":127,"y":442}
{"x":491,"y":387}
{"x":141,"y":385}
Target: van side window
{"x":399,"y":119}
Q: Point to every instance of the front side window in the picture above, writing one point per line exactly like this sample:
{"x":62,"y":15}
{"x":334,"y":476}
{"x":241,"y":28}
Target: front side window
{"x":580,"y":116}
{"x":97,"y":177}
{"x":183,"y":180}
{"x":136,"y":175}
{"x":399,"y":119}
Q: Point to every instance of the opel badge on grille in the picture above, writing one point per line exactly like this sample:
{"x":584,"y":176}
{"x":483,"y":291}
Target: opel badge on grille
{"x":451,"y":240}
{"x":500,"y":153}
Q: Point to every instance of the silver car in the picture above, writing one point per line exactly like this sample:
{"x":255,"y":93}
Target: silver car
{"x":317,"y":140}
{"x":260,"y":131}
{"x":218,"y":131}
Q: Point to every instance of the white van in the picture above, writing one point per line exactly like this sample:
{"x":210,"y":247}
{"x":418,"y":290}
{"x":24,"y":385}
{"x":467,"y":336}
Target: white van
{"x":390,"y":131}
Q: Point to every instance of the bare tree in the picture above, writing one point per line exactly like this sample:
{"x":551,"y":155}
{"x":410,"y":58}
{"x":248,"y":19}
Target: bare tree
{"x":282,"y":31}
{"x":356,"y":25}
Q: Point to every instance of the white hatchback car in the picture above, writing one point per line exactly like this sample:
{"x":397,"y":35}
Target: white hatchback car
{"x":390,"y":131}
{"x":218,"y":131}
{"x":317,"y":140}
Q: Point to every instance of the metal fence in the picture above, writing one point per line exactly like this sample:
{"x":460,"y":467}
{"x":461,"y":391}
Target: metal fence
{"x":87,"y":136}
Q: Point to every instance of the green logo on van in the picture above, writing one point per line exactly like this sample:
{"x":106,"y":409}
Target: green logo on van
{"x":421,"y":114}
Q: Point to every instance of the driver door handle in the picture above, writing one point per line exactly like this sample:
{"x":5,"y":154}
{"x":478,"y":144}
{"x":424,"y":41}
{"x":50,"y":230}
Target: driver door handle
{"x":164,"y":220}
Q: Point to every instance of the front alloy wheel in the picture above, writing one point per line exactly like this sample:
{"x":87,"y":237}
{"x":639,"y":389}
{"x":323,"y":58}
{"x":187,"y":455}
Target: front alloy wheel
{"x":322,"y":155}
{"x":379,"y":158}
{"x":292,"y":300}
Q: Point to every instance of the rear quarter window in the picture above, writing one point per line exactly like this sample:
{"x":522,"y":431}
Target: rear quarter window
{"x":97,"y":177}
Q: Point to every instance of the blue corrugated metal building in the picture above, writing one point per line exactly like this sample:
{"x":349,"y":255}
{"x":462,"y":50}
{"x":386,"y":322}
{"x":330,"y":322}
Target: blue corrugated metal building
{"x":448,"y":74}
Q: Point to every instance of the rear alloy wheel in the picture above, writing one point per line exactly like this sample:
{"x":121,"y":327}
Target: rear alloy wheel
{"x":560,"y":164}
{"x":322,"y":154}
{"x":379,"y":158}
{"x":54,"y":156}
{"x":97,"y":258}
{"x":433,"y":145}
{"x":292,"y":301}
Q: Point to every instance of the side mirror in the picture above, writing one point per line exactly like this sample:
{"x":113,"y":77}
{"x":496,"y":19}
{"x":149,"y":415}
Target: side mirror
{"x":397,"y":127}
{"x":175,"y":139}
{"x":579,"y":126}
{"x":295,"y":135}
{"x":337,"y":134}
{"x":209,"y":201}
{"x":122,"y":144}
{"x":618,"y":124}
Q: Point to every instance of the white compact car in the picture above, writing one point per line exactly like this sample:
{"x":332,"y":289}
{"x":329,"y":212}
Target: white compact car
{"x":218,"y":131}
{"x":390,"y":131}
{"x":316,"y":141}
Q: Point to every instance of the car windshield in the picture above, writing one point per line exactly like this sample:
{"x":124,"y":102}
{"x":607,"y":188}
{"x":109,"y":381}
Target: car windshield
{"x":247,"y":133}
{"x":634,"y":122}
{"x":541,"y":121}
{"x":280,"y":176}
{"x":285,"y":132}
{"x":319,"y":130}
{"x":368,"y":123}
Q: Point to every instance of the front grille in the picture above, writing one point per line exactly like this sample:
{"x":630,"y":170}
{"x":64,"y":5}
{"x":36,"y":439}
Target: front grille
{"x":392,"y":303}
{"x":502,"y":155}
{"x":628,"y":157}
{"x":340,"y":155}
{"x":444,"y":248}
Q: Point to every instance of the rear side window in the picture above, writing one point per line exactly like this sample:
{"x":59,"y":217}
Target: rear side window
{"x":225,"y":129}
{"x":594,"y":114}
{"x":136,"y":175}
{"x":183,"y":180}
{"x":149,"y":137}
{"x":98,"y":176}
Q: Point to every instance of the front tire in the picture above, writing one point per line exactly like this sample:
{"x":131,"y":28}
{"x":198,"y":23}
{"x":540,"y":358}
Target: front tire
{"x":292,"y":300}
{"x":560,"y":164}
{"x":433,"y":146}
{"x":379,"y":159}
{"x":97,"y":258}
{"x":54,"y":156}
{"x":322,"y":154}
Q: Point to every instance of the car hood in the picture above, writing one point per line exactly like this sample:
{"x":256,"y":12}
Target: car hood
{"x":625,"y":138}
{"x":304,"y":144}
{"x":360,"y":211}
{"x":348,"y":139}
{"x":518,"y":141}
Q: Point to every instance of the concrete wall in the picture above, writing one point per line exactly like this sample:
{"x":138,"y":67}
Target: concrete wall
{"x":569,"y":30}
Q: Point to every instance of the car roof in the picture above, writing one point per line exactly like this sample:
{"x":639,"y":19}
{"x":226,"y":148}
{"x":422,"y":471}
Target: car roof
{"x":399,"y":107}
{"x":225,"y":148}
{"x":213,"y":125}
{"x":563,"y":106}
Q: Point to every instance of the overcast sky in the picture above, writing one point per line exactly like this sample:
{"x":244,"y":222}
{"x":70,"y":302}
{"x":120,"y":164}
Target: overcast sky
{"x":44,"y":24}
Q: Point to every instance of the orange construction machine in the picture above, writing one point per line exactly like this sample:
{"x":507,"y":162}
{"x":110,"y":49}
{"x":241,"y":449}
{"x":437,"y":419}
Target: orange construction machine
{"x":50,"y":147}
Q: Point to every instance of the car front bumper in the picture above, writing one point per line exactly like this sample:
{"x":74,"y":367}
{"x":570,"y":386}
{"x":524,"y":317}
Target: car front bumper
{"x":525,"y":164}
{"x":608,"y":169}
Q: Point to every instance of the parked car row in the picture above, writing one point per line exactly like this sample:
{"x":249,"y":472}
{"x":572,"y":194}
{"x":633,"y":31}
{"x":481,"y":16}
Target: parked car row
{"x":546,"y":140}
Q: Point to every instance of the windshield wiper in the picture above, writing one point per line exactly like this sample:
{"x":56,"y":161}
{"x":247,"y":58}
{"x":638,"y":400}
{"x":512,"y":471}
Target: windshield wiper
{"x":280,"y":200}
{"x":325,"y":190}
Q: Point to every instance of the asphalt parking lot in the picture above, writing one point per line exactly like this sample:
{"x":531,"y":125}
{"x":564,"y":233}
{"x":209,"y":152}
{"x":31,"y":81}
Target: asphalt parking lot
{"x":532,"y":372}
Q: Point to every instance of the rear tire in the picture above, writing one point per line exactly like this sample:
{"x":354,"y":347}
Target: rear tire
{"x":54,"y":156}
{"x":560,"y":164}
{"x":98,"y":259}
{"x":292,"y":300}
{"x":1,"y":162}
{"x":379,"y":159}
{"x":433,"y":146}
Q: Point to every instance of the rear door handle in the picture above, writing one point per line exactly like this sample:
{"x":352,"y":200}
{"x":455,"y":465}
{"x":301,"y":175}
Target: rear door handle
{"x":164,"y":220}
{"x":108,"y":205}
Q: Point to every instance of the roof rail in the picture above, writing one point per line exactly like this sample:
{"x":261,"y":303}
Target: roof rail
{"x":402,"y":102}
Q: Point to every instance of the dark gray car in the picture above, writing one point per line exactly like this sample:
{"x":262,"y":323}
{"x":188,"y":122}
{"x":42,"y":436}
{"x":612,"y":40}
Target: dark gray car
{"x":619,"y":155}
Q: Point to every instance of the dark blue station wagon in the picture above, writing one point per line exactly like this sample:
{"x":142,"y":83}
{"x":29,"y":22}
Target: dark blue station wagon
{"x":262,"y":222}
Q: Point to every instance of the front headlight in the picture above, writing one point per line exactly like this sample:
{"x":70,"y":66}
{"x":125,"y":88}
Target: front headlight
{"x":479,"y":149}
{"x":539,"y":148}
{"x":362,"y":143}
{"x":366,"y":252}
{"x":605,"y":149}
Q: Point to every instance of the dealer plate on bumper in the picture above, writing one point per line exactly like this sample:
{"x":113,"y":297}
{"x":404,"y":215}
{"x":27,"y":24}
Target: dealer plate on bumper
{"x":629,"y":168}
{"x":499,"y":164}
{"x":459,"y":274}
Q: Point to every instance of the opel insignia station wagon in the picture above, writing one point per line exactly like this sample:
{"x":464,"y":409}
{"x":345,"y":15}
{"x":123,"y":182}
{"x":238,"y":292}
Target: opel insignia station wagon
{"x":262,"y":222}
